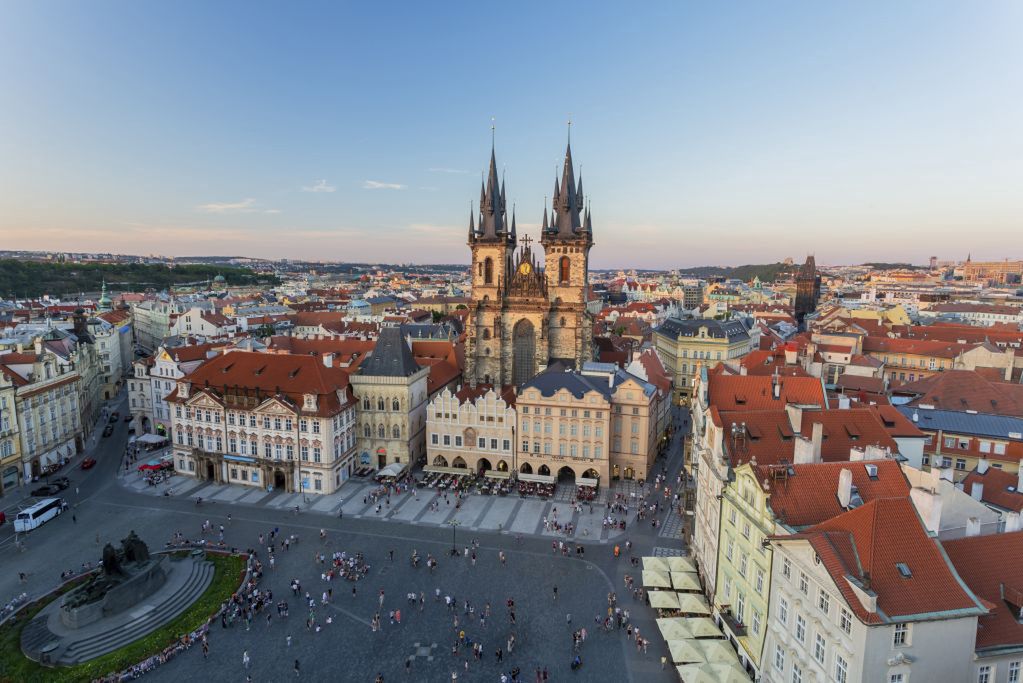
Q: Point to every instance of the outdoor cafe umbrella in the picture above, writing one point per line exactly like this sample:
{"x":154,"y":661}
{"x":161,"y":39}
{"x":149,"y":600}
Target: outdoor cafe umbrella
{"x":713,"y":673}
{"x":690,"y":603}
{"x":683,"y":581}
{"x":680,"y":564}
{"x":656,"y":564}
{"x":717,"y":651}
{"x":674,"y":628}
{"x":654,"y":579}
{"x":663,"y":599}
{"x":685,"y":652}
{"x":701,"y":627}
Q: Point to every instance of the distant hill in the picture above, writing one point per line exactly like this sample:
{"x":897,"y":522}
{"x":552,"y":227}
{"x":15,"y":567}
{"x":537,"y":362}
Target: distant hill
{"x":894,"y":266}
{"x":768,"y":272}
{"x":33,"y":278}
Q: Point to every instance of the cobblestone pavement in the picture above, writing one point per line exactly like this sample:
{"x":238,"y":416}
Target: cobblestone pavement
{"x":346,"y":649}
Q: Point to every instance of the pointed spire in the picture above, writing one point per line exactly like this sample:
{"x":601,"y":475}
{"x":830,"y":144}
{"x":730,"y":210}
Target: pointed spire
{"x":587,"y":225}
{"x":492,"y":211}
{"x":513,"y":236}
{"x":579,"y":191}
{"x":472,"y":225}
{"x":545,"y":224}
{"x":567,"y":203}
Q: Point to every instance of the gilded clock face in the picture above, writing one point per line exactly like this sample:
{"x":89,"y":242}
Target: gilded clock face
{"x":525,"y":268}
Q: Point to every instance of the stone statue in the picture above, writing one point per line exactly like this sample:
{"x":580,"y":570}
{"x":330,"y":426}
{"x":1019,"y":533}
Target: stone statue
{"x":111,"y":562}
{"x":134,"y":548}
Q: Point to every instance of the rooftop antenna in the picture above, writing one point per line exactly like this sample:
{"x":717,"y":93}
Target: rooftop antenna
{"x":570,"y":128}
{"x":493,"y":133}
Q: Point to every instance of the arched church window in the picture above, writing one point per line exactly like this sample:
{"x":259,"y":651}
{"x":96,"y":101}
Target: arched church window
{"x":365,"y":404}
{"x":367,"y":432}
{"x":563,"y":269}
{"x":488,"y":271}
{"x":396,"y":432}
{"x":380,"y":432}
{"x":486,"y":333}
{"x":479,"y":267}
{"x":394,"y":405}
{"x":380,"y":404}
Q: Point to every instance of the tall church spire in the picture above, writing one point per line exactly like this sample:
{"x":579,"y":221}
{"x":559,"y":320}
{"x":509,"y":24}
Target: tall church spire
{"x":472,"y":226}
{"x":567,"y":202}
{"x":492,"y":205}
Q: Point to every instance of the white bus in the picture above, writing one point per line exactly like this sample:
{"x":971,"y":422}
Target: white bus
{"x":43,"y":511}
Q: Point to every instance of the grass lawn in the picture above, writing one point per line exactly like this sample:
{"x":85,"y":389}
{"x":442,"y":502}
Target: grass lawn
{"x":15,"y":667}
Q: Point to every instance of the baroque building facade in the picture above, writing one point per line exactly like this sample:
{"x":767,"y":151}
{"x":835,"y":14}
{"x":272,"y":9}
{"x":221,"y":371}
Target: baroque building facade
{"x":523,"y":317}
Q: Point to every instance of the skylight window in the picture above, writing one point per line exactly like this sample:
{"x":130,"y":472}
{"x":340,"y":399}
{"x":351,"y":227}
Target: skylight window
{"x":904,"y":570}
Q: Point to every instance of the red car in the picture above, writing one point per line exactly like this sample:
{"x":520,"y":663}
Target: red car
{"x":88,"y":463}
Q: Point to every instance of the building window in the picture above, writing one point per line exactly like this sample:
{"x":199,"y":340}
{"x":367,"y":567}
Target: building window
{"x":743,"y":563}
{"x":800,"y":629}
{"x":897,"y":678}
{"x":760,"y":581}
{"x":797,"y":673}
{"x":845,"y":620}
{"x":901,"y":635}
{"x":841,"y":669}
{"x":458,"y":441}
{"x":1014,"y":672}
{"x":506,"y":445}
{"x":960,"y":463}
{"x":804,"y":584}
{"x":434,"y":439}
{"x":304,"y":452}
{"x":783,"y":611}
{"x":779,"y":658}
{"x":730,"y":549}
{"x":786,"y":568}
{"x":755,"y":622}
{"x":823,"y":601}
{"x":819,"y":647}
{"x":447,"y":440}
{"x":950,"y":442}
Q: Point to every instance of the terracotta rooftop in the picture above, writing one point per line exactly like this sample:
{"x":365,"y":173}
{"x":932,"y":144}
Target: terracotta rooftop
{"x":980,"y":562}
{"x":966,"y":390}
{"x":803,"y":495}
{"x":883,"y":545}
{"x":914,"y":347}
{"x":1000,"y":488}
{"x":756,"y":392}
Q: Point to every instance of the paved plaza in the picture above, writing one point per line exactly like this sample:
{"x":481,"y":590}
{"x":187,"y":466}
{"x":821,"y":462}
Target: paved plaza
{"x":107,"y":507}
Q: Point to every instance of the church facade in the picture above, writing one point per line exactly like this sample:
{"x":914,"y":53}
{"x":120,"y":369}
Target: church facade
{"x":528,"y":310}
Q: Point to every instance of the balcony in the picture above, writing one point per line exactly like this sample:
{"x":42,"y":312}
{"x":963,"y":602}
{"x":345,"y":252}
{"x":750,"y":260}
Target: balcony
{"x":736,"y":627}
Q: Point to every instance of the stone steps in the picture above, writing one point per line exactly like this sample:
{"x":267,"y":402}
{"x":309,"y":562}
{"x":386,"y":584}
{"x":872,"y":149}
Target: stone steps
{"x":127,"y":631}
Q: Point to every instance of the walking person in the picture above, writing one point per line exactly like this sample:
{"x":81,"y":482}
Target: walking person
{"x":245,"y":659}
{"x":296,"y":669}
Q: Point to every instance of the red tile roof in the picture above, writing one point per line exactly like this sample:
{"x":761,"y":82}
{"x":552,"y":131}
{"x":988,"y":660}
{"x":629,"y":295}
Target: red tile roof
{"x":917,"y":347}
{"x":871,"y":541}
{"x":966,"y":390}
{"x":290,"y":375}
{"x":983,"y":563}
{"x":803,"y":495}
{"x":755,"y":392}
{"x":1000,"y":488}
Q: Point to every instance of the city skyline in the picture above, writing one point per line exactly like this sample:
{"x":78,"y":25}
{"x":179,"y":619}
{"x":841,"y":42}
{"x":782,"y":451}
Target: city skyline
{"x":704,"y":136}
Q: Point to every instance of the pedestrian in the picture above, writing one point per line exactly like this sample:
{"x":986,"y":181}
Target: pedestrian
{"x":288,"y":639}
{"x":555,"y":593}
{"x":296,"y":668}
{"x":568,"y":619}
{"x":664,"y":662}
{"x":245,"y":659}
{"x":381,"y":597}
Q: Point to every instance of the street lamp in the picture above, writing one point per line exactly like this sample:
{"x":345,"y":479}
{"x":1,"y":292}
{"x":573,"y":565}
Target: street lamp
{"x":454,"y":526}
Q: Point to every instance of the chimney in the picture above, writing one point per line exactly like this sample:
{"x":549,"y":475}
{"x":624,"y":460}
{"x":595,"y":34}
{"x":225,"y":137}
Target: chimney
{"x":743,"y":371}
{"x":928,"y":505}
{"x":982,"y":466}
{"x":816,"y":440}
{"x":844,"y":487}
{"x":973,"y":526}
{"x":1011,"y":522}
{"x":775,"y":387}
{"x":790,"y":356}
{"x":1010,"y":362}
{"x":977,"y":491}
{"x":795,"y":417}
{"x":328,"y":360}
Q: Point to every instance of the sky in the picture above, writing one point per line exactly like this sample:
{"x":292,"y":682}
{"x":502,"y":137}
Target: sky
{"x":706,"y":133}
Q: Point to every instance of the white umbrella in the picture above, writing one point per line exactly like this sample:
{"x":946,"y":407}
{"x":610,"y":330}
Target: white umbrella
{"x":691,"y":603}
{"x":685,"y":581}
{"x":685,"y":652}
{"x":680,"y":564}
{"x":656,"y":564}
{"x":655,"y":579}
{"x":663,"y":599}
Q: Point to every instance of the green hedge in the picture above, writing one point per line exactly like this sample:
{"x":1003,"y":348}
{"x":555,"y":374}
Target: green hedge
{"x":228,"y":573}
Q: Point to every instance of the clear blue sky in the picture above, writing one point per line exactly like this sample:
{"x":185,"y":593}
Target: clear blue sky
{"x":708,"y":132}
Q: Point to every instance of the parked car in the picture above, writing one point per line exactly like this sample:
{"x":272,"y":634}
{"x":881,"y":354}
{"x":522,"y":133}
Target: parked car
{"x":108,"y":430}
{"x":61,"y":482}
{"x":88,"y":463}
{"x":45,"y":490}
{"x":113,"y":418}
{"x":127,"y":418}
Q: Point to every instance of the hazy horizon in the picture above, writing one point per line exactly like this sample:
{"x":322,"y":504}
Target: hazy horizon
{"x":704,"y":134}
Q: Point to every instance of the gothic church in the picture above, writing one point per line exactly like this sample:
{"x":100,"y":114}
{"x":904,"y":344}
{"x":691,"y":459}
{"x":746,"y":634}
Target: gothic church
{"x":528,"y":311}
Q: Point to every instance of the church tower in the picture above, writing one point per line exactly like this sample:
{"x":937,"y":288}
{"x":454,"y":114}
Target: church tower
{"x":808,"y":290}
{"x":567,"y":240}
{"x":492,"y":245}
{"x":528,"y":311}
